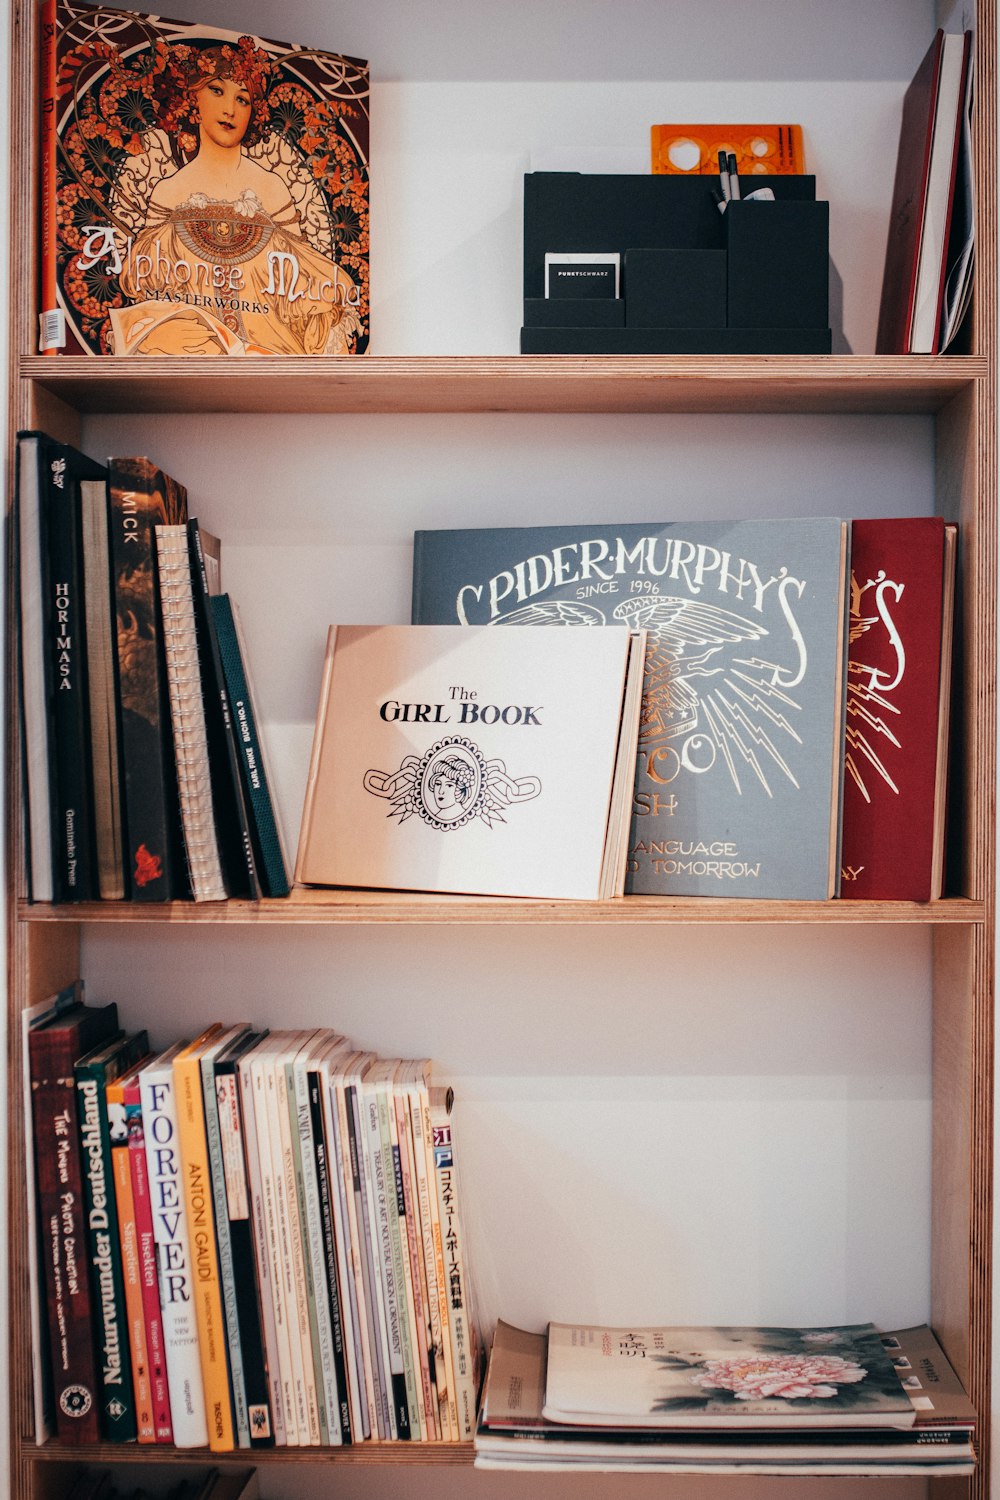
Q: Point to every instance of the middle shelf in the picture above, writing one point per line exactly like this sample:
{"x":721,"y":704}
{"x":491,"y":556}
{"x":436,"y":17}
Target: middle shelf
{"x":361,"y":907}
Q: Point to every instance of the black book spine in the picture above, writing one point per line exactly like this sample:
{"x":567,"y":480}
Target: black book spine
{"x":75,"y":865}
{"x":143,"y":497}
{"x":93,"y":1072}
{"x":329,"y":1251}
{"x":237,"y":1208}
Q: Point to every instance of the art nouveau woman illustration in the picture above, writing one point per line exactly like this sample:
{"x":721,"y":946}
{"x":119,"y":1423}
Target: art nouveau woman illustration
{"x":217,"y":204}
{"x":223,"y":232}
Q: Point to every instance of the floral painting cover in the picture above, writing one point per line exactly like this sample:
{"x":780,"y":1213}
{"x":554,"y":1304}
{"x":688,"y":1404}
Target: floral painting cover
{"x":722,"y":1377}
{"x":204,"y":192}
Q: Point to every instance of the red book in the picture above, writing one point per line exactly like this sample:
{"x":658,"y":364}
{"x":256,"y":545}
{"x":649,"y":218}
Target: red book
{"x":143,"y":1210}
{"x":916,"y":250}
{"x":53,"y":1048}
{"x":898,"y":687}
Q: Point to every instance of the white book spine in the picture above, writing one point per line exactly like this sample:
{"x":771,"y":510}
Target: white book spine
{"x":401,"y":1261}
{"x":260,"y":1068}
{"x":308,"y":1435}
{"x":368,"y":1234}
{"x":341,"y":1104}
{"x":173,"y":1258}
{"x":464,"y":1335}
{"x":425,"y":1186}
{"x":187,"y":714}
{"x":381,"y":1238}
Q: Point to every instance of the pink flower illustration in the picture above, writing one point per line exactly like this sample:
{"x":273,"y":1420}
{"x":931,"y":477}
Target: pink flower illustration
{"x":788,"y":1377}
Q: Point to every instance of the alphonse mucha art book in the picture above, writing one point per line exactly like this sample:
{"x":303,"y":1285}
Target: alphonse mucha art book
{"x":737,"y":783}
{"x":204,"y":192}
{"x":478,"y":762}
{"x":898,"y":700}
{"x":723,"y":1377}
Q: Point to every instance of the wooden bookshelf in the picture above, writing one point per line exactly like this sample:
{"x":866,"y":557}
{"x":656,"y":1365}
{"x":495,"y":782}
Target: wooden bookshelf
{"x":959,"y":393}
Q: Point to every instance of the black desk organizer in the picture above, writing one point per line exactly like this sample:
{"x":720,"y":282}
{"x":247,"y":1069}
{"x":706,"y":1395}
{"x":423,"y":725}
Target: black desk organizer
{"x":754,"y":280}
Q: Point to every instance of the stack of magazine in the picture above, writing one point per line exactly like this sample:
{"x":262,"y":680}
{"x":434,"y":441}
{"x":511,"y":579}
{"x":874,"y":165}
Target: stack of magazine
{"x":834,"y":1401}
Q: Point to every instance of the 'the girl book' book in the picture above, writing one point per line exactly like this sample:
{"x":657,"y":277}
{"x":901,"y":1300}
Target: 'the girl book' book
{"x":473,"y":761}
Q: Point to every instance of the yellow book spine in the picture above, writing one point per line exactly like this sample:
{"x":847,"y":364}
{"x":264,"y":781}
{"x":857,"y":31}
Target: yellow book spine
{"x":204,"y":1260}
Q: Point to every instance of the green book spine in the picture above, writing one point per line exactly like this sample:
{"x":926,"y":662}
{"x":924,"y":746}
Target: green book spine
{"x":92,"y":1073}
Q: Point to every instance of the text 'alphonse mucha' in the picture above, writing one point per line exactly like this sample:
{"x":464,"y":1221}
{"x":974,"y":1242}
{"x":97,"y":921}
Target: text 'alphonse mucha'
{"x":205,"y":192}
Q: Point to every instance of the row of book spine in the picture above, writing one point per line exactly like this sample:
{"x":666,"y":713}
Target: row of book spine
{"x":144,"y":773}
{"x":273,"y":1245}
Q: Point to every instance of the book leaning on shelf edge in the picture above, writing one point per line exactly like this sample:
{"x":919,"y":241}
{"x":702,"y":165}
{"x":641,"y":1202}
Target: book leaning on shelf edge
{"x":921,"y":257}
{"x":738,"y":776}
{"x":513,"y":1432}
{"x":473,"y":761}
{"x":265,"y":826}
{"x":159,"y":260}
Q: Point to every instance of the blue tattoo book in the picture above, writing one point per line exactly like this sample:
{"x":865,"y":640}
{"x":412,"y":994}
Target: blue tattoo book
{"x":739,"y":767}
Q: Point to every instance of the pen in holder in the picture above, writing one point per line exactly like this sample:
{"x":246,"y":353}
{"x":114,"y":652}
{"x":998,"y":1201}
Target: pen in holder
{"x":751,"y":280}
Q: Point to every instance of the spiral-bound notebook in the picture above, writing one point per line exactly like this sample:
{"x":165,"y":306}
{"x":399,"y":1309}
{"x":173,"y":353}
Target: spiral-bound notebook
{"x":187,"y":714}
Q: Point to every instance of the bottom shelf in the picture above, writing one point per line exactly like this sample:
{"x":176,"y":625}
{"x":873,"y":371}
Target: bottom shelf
{"x":103,"y":1454}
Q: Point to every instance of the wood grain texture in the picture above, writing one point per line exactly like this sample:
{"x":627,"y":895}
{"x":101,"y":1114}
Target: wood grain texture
{"x":313,"y":906}
{"x":530,"y":383}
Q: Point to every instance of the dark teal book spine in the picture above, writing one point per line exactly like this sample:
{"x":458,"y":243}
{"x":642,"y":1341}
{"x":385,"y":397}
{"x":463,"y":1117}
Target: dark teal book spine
{"x":246,"y":732}
{"x":114,"y":1370}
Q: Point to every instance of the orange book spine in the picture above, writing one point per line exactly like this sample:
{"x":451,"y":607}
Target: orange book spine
{"x":204,"y":1258}
{"x":49,"y":339}
{"x":128,"y":1234}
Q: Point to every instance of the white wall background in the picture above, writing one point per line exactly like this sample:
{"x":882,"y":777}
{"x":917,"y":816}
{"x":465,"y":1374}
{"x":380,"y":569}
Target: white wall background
{"x":687,"y":1125}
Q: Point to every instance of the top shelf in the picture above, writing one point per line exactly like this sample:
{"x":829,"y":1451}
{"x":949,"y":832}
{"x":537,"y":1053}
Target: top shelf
{"x":519,"y":383}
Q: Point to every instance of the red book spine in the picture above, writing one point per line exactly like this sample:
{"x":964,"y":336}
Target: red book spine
{"x":156,"y":1356}
{"x":48,"y":294}
{"x":893,"y":689}
{"x":59,"y":1175}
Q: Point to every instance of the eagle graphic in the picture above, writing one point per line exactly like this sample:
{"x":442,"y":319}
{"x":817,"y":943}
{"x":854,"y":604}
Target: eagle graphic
{"x":696,"y":682}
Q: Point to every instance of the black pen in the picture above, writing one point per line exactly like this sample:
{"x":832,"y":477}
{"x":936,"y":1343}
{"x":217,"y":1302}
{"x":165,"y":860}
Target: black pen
{"x":734,"y":181}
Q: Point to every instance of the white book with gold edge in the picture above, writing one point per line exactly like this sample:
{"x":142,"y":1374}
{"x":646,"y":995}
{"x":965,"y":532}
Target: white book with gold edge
{"x":474,"y":761}
{"x":187,"y":714}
